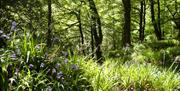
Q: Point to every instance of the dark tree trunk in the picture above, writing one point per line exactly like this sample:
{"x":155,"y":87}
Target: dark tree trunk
{"x":141,"y":31}
{"x":155,"y":24}
{"x":177,"y":23}
{"x":97,"y":32}
{"x":49,"y":43}
{"x":92,"y":42}
{"x":78,"y":15}
{"x":144,"y":15}
{"x":159,"y":18}
{"x":142,"y":20}
{"x":126,"y":36}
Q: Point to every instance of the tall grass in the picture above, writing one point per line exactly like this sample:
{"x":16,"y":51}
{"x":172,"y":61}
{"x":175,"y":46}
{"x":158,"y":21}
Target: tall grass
{"x":112,"y":76}
{"x":24,"y":70}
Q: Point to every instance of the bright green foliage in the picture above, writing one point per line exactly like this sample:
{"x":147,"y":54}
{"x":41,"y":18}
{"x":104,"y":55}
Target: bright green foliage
{"x":113,"y":75}
{"x":26,"y":64}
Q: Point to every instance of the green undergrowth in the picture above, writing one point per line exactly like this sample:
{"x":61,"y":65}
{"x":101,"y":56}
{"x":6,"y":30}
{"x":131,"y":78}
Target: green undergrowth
{"x":115,"y":76}
{"x":26,"y":65}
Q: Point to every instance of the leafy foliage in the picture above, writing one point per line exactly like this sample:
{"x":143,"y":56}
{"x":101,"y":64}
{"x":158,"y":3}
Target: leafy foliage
{"x":26,"y":63}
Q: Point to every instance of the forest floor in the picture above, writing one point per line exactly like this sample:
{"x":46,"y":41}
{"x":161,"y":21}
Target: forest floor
{"x":140,"y":68}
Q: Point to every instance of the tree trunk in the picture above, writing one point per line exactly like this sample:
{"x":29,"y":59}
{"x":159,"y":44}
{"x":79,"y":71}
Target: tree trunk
{"x":141,"y":31}
{"x":155,"y":24}
{"x":49,"y":43}
{"x":78,"y":15}
{"x":177,"y":23}
{"x":126,"y":36}
{"x":92,"y":41}
{"x":142,"y":20}
{"x":97,"y":32}
{"x":159,"y":18}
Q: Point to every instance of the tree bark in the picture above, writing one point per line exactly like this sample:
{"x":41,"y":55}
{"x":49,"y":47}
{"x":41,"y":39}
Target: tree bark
{"x":78,"y":15}
{"x":144,"y":25}
{"x":141,"y":31}
{"x":92,"y":41}
{"x":177,"y":23}
{"x":159,"y":18}
{"x":142,"y":20}
{"x":96,"y":29}
{"x":155,"y":24}
{"x":49,"y":42}
{"x":126,"y":36}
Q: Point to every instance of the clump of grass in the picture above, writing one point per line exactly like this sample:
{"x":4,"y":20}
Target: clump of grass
{"x":24,"y":65}
{"x":116,"y":76}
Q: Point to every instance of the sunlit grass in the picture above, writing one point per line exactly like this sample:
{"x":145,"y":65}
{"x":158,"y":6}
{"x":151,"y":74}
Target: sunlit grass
{"x":117,"y":76}
{"x":130,"y":72}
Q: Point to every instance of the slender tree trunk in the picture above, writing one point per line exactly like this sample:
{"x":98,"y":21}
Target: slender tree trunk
{"x":178,"y":28}
{"x":78,"y":15}
{"x":142,"y":20}
{"x":159,"y":18}
{"x":155,"y":24}
{"x":97,"y":32}
{"x":49,"y":42}
{"x":126,"y":37}
{"x":92,"y":42}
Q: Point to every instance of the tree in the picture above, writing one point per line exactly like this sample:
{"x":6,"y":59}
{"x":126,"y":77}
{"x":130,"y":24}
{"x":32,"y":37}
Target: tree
{"x":96,"y":30}
{"x":126,"y":37}
{"x":92,"y":41}
{"x":175,"y":15}
{"x":154,"y":22}
{"x":78,"y":16}
{"x":49,"y":43}
{"x":142,"y":20}
{"x":159,"y":17}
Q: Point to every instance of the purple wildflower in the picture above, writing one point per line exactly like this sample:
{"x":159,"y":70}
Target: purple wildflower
{"x":13,"y":56}
{"x":57,"y":65}
{"x":5,"y":36}
{"x":13,"y":25}
{"x":59,"y":75}
{"x":31,"y":66}
{"x":53,"y":71}
{"x":48,"y":71}
{"x":74,"y":67}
